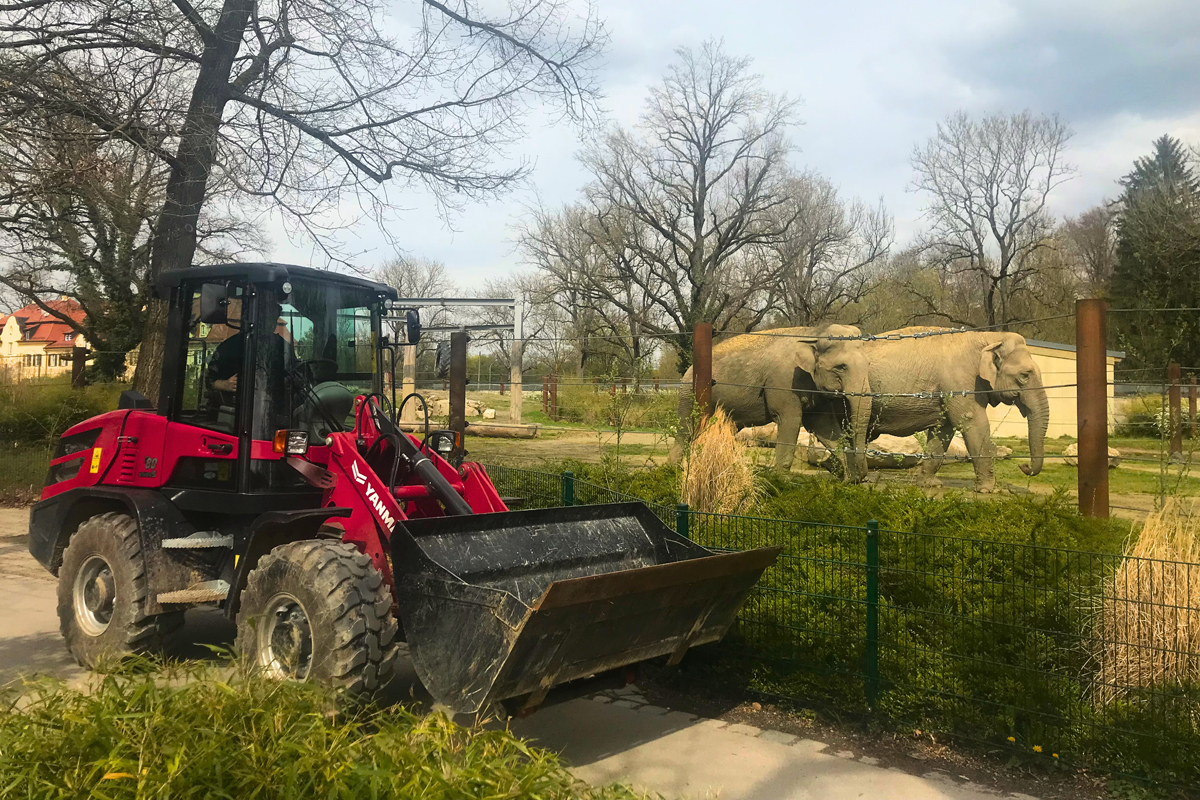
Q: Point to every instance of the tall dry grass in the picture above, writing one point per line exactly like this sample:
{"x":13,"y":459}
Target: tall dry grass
{"x":1149,"y":618}
{"x":717,"y":475}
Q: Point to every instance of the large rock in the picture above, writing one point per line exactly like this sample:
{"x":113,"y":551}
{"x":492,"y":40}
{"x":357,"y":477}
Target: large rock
{"x":893,"y":452}
{"x":489,"y":413}
{"x":815,"y":453}
{"x":957,"y":450}
{"x":759,"y":436}
{"x":1071,"y":456}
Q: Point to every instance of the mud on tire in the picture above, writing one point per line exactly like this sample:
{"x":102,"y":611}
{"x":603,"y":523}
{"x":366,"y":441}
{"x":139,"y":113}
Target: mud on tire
{"x":103,"y":591}
{"x":318,"y":610}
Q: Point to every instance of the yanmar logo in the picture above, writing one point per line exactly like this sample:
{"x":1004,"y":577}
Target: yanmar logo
{"x":374,"y":498}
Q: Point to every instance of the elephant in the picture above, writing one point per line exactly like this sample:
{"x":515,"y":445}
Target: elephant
{"x":989,"y":368}
{"x":793,"y":377}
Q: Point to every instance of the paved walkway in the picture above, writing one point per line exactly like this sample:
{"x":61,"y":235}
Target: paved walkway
{"x":610,"y":737}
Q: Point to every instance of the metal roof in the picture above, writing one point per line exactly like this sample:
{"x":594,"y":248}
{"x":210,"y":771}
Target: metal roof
{"x":1069,"y":347}
{"x":267,"y":272}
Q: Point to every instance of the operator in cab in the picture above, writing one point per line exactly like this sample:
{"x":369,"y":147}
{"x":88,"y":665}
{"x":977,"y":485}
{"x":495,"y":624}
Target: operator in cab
{"x":226,"y":363}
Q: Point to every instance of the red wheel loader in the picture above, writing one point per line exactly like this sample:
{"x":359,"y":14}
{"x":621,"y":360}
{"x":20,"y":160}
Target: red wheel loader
{"x":273,"y":481}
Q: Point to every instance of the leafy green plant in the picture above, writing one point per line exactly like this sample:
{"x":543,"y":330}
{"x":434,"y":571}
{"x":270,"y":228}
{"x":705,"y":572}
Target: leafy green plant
{"x":193,"y":731}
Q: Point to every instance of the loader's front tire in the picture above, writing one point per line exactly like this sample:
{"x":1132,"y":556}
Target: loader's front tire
{"x":318,"y":610}
{"x":103,"y":591}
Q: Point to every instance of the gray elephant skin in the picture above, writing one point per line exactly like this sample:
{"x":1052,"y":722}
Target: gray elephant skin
{"x":810,"y":377}
{"x":989,"y":367}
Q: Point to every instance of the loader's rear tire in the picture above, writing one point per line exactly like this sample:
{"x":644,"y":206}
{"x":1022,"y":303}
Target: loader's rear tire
{"x":103,"y":593}
{"x":318,"y":610}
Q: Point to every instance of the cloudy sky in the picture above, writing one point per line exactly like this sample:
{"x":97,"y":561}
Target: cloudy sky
{"x":874,"y":77}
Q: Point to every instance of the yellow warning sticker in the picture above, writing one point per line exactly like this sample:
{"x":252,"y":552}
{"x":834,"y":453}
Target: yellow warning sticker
{"x":95,"y":461}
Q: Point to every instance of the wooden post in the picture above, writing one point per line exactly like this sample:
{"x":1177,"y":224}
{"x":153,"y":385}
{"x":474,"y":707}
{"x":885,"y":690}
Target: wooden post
{"x":702,"y":368}
{"x":545,"y":394}
{"x":1176,"y":411}
{"x":516,"y":369}
{"x":79,"y":366}
{"x":1192,"y":403}
{"x":554,"y":397}
{"x":502,"y":388}
{"x":408,"y":384}
{"x":1091,"y":379}
{"x":458,"y":387}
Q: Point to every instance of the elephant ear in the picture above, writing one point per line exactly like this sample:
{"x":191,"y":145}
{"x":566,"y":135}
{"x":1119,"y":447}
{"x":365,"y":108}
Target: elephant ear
{"x":803,"y":383}
{"x":989,"y":366}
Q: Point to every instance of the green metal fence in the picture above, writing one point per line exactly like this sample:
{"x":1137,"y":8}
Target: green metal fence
{"x":1061,"y":655}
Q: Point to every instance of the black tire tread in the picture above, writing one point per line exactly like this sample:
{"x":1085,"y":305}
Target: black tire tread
{"x":356,"y":604}
{"x":145,"y":632}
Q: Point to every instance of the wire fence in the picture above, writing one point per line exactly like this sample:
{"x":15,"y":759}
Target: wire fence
{"x":1068,"y":656}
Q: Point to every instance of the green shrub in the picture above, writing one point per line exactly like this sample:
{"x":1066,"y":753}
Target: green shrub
{"x":194,"y":732}
{"x":40,"y":412}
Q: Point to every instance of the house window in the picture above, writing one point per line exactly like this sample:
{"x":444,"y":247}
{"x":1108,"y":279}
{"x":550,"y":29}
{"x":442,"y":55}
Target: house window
{"x":32,"y":360}
{"x":52,"y":360}
{"x":68,"y":337}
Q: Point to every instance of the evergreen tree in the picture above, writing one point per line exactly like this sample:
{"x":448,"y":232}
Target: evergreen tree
{"x":1158,"y":259}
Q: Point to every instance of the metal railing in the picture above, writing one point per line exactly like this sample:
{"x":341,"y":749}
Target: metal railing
{"x":1063,"y":655}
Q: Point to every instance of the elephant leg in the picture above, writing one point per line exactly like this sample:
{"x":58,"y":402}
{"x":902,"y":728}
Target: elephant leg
{"x":939,"y":439}
{"x":977,"y":436}
{"x":826,"y":428}
{"x":785,"y":441}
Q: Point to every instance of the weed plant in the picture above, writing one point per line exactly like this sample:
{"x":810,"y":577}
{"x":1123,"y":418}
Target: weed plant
{"x":191,"y":731}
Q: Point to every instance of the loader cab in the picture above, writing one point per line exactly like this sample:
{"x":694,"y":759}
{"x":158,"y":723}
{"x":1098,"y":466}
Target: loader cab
{"x":257,"y":348}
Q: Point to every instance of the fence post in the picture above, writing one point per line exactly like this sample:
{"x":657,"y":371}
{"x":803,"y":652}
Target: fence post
{"x":872,"y":643}
{"x":1192,"y":403}
{"x":545,"y":394}
{"x":554,"y":397}
{"x":1176,"y":415}
{"x":568,"y":488}
{"x":702,"y":368}
{"x":458,"y":389}
{"x":516,"y":369}
{"x":1091,"y":379}
{"x":681,"y":520}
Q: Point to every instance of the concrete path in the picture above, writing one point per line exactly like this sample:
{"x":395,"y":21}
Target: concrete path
{"x":611,"y":737}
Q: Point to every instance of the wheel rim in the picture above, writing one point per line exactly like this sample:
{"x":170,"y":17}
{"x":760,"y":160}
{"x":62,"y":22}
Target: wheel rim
{"x":285,"y":639}
{"x":94,"y":595}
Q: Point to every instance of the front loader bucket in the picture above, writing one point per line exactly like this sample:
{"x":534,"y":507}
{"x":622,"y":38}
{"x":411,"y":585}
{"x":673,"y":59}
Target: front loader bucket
{"x":497,"y":606}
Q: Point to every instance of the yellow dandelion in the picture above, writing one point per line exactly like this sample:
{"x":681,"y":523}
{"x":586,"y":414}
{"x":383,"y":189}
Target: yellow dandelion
{"x":1054,"y":754}
{"x":1037,"y":748}
{"x":1012,"y":738}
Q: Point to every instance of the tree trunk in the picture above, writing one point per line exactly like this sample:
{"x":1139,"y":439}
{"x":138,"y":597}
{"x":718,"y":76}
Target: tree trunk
{"x":175,"y":235}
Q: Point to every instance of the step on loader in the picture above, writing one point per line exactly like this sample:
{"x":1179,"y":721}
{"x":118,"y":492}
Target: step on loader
{"x":272,"y":481}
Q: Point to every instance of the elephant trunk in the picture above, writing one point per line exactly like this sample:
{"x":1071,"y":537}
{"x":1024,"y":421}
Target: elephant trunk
{"x":1033,"y":404}
{"x":859,"y":401}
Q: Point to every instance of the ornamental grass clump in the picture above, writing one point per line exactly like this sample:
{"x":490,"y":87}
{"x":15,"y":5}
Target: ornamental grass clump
{"x":197,"y":732}
{"x":717,"y":475}
{"x":1149,"y":617}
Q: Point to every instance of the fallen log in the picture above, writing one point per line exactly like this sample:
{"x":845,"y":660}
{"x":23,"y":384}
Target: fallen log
{"x":489,"y":429}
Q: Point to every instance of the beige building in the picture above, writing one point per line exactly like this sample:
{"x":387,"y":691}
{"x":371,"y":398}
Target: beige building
{"x":1057,"y":363}
{"x":37,"y":344}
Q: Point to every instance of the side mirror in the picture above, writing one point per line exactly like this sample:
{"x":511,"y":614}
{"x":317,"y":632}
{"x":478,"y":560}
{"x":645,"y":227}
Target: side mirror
{"x":412,"y":326}
{"x":214,"y":303}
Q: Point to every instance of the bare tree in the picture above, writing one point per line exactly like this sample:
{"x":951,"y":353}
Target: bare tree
{"x":987,"y":183}
{"x":311,"y":103}
{"x":77,"y":215}
{"x":831,"y":251}
{"x":1090,"y":239}
{"x":684,"y":196}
